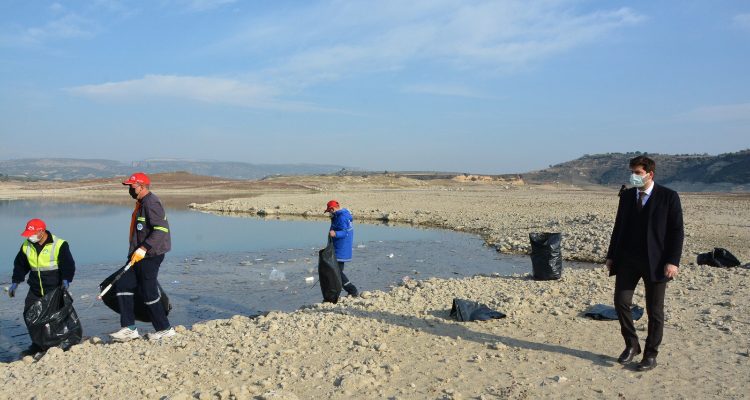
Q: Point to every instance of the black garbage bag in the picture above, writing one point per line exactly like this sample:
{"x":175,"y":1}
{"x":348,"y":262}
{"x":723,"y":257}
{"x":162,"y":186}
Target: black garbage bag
{"x":139,"y":305}
{"x":329,"y":274}
{"x":467,"y":310}
{"x":606,"y":312}
{"x":52,"y":321}
{"x":546,"y":255}
{"x":718,"y":258}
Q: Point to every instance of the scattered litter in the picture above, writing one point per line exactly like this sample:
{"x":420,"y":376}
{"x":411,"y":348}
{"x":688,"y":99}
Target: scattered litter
{"x":309,"y":279}
{"x":258,"y":259}
{"x":85,"y":296}
{"x":279,"y":262}
{"x":468,"y":310}
{"x":361,"y":246}
{"x":419,"y":261}
{"x":718,"y":258}
{"x":606,"y":312}
{"x":175,"y":282}
{"x":277,"y":275}
{"x":246,"y":263}
{"x":406,"y":279}
{"x":390,"y":255}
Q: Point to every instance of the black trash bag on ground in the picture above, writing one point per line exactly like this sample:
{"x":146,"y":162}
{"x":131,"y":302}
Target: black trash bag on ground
{"x":329,"y":274}
{"x":52,"y":321}
{"x":718,"y":258}
{"x":139,"y":305}
{"x":546,"y":255}
{"x":606,"y":312}
{"x":467,"y":310}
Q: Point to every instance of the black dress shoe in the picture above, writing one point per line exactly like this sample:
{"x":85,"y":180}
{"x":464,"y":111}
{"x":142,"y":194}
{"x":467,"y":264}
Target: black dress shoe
{"x":628,"y":354}
{"x":648,"y":363}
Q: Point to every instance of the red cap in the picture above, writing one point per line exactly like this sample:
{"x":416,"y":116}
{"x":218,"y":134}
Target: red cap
{"x":330,"y":205}
{"x":138,"y":177}
{"x":33,"y":226}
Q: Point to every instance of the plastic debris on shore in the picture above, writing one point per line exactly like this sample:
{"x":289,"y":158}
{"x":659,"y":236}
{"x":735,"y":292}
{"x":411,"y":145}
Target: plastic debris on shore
{"x":390,"y":255}
{"x":309,"y":279}
{"x":277,"y":275}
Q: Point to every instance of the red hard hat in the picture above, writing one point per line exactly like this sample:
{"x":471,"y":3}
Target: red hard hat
{"x":138,"y":177}
{"x":33,"y":226}
{"x":330,"y":205}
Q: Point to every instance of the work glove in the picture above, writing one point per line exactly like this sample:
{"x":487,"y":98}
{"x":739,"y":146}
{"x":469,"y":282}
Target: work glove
{"x":12,"y":289}
{"x":66,"y":284}
{"x":137,"y":255}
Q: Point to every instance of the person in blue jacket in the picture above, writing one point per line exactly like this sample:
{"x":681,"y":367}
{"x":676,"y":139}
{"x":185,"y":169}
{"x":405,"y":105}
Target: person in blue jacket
{"x":342,"y":233}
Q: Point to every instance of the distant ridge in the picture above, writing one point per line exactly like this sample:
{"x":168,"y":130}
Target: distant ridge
{"x":694,"y":172}
{"x":70,"y":169}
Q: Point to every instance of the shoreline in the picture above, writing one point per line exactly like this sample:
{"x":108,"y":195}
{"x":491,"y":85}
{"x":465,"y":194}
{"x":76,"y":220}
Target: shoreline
{"x":402,"y":344}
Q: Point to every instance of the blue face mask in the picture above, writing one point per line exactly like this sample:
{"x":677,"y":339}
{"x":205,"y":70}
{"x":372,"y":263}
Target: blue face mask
{"x":637,"y":180}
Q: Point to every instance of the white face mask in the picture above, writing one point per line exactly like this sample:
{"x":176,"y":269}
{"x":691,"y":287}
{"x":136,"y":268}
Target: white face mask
{"x":638,"y":181}
{"x":34,"y":238}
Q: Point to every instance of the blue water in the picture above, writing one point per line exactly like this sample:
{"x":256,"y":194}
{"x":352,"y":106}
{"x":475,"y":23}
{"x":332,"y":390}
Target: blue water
{"x":99,"y":233}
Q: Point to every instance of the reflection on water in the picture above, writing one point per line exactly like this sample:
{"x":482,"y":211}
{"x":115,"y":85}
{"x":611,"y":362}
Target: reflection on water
{"x":99,"y":233}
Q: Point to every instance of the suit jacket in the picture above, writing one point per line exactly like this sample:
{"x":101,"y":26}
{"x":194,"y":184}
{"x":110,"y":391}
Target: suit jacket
{"x":665,"y":231}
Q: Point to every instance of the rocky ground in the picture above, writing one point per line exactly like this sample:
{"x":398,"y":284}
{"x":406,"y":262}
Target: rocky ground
{"x":402,"y":344}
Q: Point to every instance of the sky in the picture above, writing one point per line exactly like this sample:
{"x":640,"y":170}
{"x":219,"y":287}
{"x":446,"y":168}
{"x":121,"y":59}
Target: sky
{"x":499,"y":86}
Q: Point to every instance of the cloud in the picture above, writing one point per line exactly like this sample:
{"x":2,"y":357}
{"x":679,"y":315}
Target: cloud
{"x":445,"y":90}
{"x":193,"y":88}
{"x":56,"y":7}
{"x":720,"y":113}
{"x":340,"y":39}
{"x":742,"y":21}
{"x":68,"y":26}
{"x":204,"y":5}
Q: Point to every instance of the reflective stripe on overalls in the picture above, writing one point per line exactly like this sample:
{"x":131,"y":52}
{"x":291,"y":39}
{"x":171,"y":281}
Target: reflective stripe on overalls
{"x":46,"y":260}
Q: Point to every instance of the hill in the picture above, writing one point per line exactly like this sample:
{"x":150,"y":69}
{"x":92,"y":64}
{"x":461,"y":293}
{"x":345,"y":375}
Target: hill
{"x":68,"y":169}
{"x":723,"y":172}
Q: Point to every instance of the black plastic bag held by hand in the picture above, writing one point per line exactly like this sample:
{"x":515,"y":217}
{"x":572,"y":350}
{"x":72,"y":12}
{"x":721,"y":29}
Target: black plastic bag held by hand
{"x":140,"y":309}
{"x":546,"y":255}
{"x":52,"y":321}
{"x":329,"y":274}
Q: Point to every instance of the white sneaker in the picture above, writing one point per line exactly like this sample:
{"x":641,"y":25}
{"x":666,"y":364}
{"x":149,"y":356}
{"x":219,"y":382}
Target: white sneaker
{"x":162,"y":334}
{"x":125,"y":334}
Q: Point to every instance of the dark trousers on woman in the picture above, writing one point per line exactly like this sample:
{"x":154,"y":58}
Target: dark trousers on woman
{"x":628,"y":275}
{"x":142,"y":277}
{"x":346,"y":283}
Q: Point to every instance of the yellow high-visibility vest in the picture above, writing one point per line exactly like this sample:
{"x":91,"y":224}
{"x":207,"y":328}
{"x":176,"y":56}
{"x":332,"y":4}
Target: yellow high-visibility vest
{"x":45,"y":260}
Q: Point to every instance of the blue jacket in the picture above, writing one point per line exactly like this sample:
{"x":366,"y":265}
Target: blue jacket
{"x":341,"y":224}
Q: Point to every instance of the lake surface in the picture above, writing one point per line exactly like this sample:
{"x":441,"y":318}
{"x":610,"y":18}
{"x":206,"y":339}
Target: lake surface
{"x":223,"y":265}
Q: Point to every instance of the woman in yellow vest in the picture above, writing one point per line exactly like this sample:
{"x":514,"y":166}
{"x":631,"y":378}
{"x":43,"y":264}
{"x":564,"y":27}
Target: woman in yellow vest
{"x":47,"y":260}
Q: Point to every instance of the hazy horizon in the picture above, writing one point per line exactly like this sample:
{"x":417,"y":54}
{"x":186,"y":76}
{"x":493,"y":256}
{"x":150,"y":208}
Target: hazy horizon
{"x":483,"y":86}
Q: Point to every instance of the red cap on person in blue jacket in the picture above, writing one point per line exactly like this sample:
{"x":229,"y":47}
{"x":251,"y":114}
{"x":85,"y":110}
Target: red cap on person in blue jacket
{"x":331,"y":205}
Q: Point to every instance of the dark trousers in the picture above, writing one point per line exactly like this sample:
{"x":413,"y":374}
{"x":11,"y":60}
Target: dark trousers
{"x":141,"y":279}
{"x":345,"y":282}
{"x":628,"y":275}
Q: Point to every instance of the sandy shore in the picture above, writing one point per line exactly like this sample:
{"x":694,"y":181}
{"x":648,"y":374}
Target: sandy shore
{"x":402,"y":344}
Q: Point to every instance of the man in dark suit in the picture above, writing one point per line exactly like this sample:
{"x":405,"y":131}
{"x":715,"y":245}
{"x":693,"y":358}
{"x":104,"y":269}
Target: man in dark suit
{"x":646,"y":244}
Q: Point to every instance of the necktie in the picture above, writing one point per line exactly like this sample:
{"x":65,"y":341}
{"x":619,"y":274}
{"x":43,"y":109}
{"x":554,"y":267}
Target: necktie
{"x":639,"y":203}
